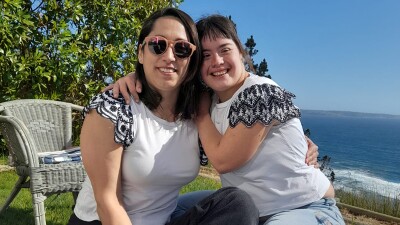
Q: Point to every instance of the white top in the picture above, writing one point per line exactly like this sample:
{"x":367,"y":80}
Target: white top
{"x":277,"y":177}
{"x":159,"y":158}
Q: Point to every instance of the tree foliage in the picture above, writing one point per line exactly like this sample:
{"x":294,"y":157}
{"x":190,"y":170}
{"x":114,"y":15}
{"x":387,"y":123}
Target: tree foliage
{"x":259,"y":69}
{"x":68,"y":50}
{"x":250,"y":46}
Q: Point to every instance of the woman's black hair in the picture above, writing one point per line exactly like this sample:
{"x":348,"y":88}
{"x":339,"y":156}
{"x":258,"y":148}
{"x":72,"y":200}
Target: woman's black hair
{"x":217,"y":26}
{"x":188,"y":97}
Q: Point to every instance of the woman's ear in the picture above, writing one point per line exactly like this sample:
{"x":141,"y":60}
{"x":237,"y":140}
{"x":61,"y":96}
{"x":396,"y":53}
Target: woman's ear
{"x":140,"y":56}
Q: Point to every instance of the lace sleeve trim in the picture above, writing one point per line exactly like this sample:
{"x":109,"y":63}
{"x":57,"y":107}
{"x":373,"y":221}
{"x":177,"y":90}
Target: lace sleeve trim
{"x":115,"y":110}
{"x":263,"y":103}
{"x":203,"y":156}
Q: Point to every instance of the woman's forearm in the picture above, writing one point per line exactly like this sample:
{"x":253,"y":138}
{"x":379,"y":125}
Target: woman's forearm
{"x":112,"y":213}
{"x":210,"y":140}
{"x":234,"y":148}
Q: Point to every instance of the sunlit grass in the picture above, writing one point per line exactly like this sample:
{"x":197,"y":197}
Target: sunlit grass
{"x":20,"y":212}
{"x":59,"y":207}
{"x":371,"y":201}
{"x":201,"y":183}
{"x":3,"y":159}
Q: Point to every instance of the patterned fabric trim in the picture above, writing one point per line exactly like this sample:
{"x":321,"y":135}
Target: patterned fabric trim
{"x":203,"y":156}
{"x":118,"y":112}
{"x":263,"y":103}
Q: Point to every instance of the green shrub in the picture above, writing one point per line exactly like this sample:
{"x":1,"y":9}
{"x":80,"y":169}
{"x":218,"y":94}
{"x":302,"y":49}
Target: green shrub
{"x":67,"y":50}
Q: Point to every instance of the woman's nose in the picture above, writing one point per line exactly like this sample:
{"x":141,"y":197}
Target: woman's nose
{"x":217,"y":60}
{"x":169,"y":53}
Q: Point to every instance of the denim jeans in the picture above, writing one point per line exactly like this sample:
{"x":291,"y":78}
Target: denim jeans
{"x":321,"y":212}
{"x":228,"y":205}
{"x":189,"y":200}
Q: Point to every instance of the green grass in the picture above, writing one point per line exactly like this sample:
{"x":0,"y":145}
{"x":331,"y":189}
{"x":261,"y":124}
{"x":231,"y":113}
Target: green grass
{"x":20,"y":212}
{"x":201,"y":183}
{"x":58,"y":207}
{"x":371,"y":201}
{"x":3,"y":159}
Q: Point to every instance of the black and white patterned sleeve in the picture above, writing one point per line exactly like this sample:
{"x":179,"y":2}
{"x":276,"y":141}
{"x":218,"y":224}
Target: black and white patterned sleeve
{"x":118,"y":112}
{"x":262,"y":103}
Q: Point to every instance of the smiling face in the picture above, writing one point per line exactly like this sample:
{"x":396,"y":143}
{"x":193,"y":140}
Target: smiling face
{"x":222,"y":69}
{"x":164,"y":72}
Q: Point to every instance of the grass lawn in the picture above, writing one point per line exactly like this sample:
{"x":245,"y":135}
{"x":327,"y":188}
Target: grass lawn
{"x":59,"y":207}
{"x":20,"y":212}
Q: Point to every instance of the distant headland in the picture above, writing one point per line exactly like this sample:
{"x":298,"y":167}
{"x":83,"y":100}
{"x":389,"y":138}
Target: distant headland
{"x":347,"y":114}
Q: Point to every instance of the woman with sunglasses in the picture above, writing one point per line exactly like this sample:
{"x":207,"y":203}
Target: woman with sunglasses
{"x":253,"y":136}
{"x":138,"y":156}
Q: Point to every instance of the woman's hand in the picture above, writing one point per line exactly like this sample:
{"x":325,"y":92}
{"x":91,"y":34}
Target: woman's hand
{"x":127,"y":86}
{"x":312,"y":153}
{"x":205,"y":103}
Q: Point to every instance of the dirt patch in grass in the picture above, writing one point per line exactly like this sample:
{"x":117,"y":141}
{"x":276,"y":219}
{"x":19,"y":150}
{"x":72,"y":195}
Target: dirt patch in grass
{"x":5,"y":168}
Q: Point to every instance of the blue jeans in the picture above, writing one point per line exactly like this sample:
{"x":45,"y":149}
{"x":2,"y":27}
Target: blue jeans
{"x":188,"y":200}
{"x":228,"y":205}
{"x":321,"y":212}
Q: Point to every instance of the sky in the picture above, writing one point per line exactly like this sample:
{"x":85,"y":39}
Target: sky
{"x":339,"y":55}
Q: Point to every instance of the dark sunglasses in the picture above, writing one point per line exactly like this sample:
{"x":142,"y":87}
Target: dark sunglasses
{"x":158,"y":45}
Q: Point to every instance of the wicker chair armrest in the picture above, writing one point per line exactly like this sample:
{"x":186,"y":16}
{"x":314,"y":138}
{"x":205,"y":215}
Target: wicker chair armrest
{"x":29,"y":152}
{"x":76,"y":107}
{"x":57,"y":178}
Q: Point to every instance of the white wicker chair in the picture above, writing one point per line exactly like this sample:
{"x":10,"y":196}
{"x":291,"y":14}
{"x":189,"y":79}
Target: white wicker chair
{"x":32,"y":126}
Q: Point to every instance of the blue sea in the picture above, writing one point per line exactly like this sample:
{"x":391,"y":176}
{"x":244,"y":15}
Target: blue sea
{"x":364,"y":150}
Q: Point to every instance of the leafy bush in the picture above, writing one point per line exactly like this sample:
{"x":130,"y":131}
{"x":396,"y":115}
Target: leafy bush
{"x":67,"y":50}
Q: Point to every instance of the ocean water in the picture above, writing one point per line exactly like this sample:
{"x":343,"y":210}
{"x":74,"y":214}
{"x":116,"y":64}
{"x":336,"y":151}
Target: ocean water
{"x":364,"y":151}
